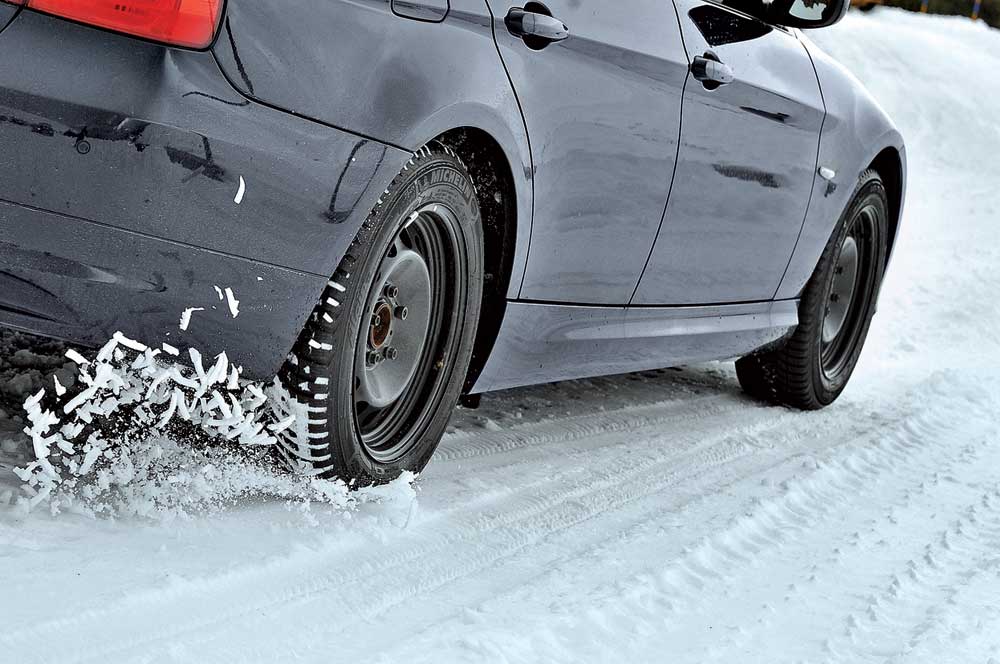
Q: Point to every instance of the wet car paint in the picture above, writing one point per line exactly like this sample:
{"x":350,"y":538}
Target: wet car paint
{"x":746,"y":165}
{"x":142,"y":166}
{"x":603,"y":111}
{"x":7,"y":14}
{"x":127,"y":160}
{"x":115,"y":151}
{"x":536,"y":339}
{"x":856,"y":131}
{"x":361,"y":71}
{"x":433,"y":11}
{"x":73,"y":279}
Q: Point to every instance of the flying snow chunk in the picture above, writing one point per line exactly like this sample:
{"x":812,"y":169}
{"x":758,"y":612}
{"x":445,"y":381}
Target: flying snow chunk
{"x":234,"y":304}
{"x":129,"y":343}
{"x":76,"y":358}
{"x":241,"y":191}
{"x":186,"y":317}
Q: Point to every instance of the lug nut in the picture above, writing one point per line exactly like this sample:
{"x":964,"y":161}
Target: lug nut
{"x":391,"y":353}
{"x":401,"y":313}
{"x":376,"y":321}
{"x":391,"y":291}
{"x":374,"y":358}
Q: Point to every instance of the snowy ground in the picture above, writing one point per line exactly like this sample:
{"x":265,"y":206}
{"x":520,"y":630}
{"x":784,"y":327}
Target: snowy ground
{"x":661,"y":517}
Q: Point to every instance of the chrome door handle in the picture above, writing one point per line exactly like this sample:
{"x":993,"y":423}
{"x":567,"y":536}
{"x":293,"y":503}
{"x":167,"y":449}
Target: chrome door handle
{"x":711,"y":71}
{"x":534,"y":26}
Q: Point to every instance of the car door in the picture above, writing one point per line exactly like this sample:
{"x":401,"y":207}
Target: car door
{"x":746,"y":164}
{"x":602,"y":111}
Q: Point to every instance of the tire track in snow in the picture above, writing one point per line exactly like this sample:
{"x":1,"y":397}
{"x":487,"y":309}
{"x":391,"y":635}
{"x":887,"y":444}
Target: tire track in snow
{"x":548,"y":508}
{"x":966,"y":628}
{"x":907,"y":609}
{"x":844,"y":577}
{"x":540,"y":523}
{"x":869,"y":470}
{"x":467,"y":445}
{"x":915,"y":450}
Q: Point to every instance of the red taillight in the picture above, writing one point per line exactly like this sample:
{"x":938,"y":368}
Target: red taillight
{"x":187,"y":23}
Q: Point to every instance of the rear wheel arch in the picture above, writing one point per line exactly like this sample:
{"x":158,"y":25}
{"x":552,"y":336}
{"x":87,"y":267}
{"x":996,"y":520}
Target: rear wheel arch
{"x":491,"y":171}
{"x":355,"y":419}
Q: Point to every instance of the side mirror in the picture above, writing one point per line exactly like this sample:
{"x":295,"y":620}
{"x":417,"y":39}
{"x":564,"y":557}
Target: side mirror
{"x":806,"y":14}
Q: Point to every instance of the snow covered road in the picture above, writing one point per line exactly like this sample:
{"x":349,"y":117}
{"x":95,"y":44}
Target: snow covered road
{"x":661,"y":517}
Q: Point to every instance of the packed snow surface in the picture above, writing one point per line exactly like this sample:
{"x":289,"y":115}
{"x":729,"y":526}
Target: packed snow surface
{"x":660,"y":517}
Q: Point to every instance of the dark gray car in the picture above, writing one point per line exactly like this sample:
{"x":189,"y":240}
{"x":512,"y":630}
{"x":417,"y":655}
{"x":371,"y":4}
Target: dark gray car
{"x":418,"y":201}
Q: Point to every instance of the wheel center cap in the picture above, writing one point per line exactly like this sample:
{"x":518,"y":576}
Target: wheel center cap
{"x":381,"y":326}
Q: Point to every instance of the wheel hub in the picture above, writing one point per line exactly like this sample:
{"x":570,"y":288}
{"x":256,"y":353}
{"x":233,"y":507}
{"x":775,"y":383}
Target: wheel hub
{"x":381,"y":326}
{"x":400,"y":311}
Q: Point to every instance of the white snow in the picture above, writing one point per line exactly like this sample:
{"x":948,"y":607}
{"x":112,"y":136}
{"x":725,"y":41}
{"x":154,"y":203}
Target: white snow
{"x":186,"y":317}
{"x":659,"y":517}
{"x":75,"y":357}
{"x":241,"y":191}
{"x":234,"y":304}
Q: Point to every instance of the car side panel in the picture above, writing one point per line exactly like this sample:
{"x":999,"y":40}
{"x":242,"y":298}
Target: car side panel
{"x":164,"y":141}
{"x":7,"y":14}
{"x":356,"y":65}
{"x":74,"y":279}
{"x":121,"y":165}
{"x":855,"y":131}
{"x":546,"y":342}
{"x":746,"y":164}
{"x":603,"y":110}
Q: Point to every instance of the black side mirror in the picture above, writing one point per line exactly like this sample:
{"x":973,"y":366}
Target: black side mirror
{"x":806,"y":14}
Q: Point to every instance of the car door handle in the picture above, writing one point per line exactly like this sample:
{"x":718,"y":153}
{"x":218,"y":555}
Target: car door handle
{"x":532,"y":26}
{"x":711,"y":71}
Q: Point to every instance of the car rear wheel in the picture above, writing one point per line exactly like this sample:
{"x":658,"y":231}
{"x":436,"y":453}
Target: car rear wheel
{"x":811,"y":368}
{"x":382,"y":361}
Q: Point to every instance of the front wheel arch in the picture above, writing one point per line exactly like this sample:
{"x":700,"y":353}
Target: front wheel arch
{"x":889,"y":165}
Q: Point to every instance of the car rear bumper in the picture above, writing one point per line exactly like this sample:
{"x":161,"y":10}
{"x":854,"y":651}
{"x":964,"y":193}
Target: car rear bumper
{"x":134,"y":180}
{"x":74,"y":279}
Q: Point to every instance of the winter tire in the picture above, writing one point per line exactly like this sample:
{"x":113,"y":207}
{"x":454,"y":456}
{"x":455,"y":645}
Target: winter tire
{"x":381,"y":363}
{"x":812,"y":367}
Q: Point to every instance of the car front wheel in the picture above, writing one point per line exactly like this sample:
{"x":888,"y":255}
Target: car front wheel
{"x":812,"y":367}
{"x":382,"y":361}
